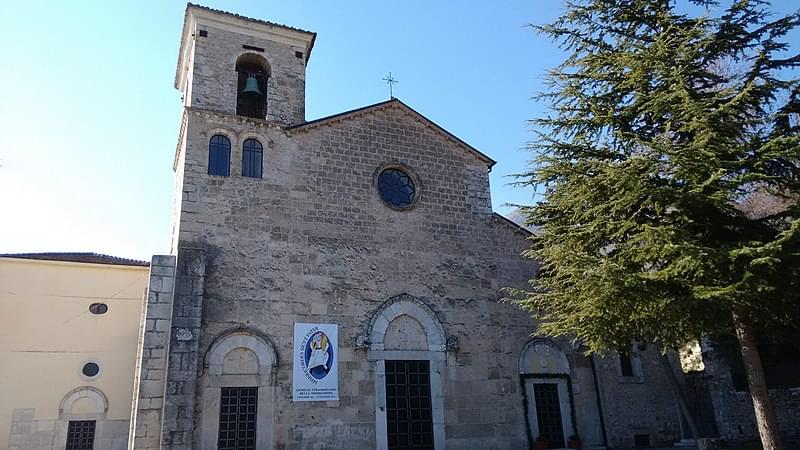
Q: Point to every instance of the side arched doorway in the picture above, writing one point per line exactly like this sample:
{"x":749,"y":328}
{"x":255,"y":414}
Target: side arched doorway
{"x":547,"y":393}
{"x":238,"y":389}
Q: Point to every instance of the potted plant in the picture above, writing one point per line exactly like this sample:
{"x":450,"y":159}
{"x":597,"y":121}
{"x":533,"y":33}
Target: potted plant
{"x":575,"y":442}
{"x":540,"y":444}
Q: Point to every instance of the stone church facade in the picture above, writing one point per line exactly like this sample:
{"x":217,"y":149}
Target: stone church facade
{"x":376,"y":220}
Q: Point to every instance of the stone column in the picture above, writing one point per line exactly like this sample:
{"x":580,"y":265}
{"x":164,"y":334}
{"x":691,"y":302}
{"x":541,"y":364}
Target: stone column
{"x":151,"y":356}
{"x":184,"y":358}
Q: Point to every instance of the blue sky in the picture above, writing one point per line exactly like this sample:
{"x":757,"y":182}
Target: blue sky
{"x":89,"y":116}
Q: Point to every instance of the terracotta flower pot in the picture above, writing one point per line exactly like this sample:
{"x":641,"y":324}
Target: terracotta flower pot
{"x":575,"y":443}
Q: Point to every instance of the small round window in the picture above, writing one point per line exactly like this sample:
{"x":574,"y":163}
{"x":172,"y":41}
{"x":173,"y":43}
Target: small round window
{"x":90,"y":370}
{"x":396,"y":188}
{"x":98,"y":308}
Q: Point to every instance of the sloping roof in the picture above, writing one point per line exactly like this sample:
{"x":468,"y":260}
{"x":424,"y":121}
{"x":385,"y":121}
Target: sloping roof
{"x":80,"y":257}
{"x":393,"y":102}
{"x":249,"y":19}
{"x":508,"y":222}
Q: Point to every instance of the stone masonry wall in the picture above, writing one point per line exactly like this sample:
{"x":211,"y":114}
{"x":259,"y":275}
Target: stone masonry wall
{"x":641,"y":404}
{"x":214,"y":78}
{"x":734,"y":409}
{"x":183,"y":359}
{"x":151,"y":365}
{"x":179,"y":189}
{"x":30,"y":433}
{"x":312,"y":241}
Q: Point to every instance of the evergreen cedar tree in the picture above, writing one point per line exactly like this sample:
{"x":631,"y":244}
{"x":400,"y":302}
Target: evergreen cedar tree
{"x":661,"y":123}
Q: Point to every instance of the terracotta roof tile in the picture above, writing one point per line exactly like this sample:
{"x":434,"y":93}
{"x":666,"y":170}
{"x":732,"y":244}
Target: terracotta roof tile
{"x":80,"y":257}
{"x":249,"y":19}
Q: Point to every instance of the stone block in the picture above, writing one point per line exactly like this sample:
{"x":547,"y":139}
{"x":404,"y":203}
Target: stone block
{"x":154,"y":374}
{"x":146,"y":442}
{"x":163,"y":260}
{"x":22,"y":414}
{"x":151,"y":388}
{"x":155,"y":339}
{"x":162,"y":325}
{"x":159,"y":311}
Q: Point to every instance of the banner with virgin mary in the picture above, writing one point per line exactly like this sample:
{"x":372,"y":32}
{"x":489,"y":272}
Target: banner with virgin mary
{"x":315,"y":372}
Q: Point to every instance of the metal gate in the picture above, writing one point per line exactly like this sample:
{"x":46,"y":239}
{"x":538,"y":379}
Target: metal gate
{"x":408,"y":405}
{"x":80,"y":435}
{"x":237,"y":418}
{"x":548,"y":413}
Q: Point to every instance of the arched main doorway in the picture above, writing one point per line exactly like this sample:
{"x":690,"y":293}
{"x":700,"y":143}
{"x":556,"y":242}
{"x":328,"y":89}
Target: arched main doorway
{"x":408,"y":345}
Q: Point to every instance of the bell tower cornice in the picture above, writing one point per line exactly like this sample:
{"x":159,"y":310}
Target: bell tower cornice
{"x":198,"y":16}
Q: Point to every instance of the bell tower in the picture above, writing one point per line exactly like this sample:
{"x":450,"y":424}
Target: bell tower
{"x":243,"y":84}
{"x":241,"y":66}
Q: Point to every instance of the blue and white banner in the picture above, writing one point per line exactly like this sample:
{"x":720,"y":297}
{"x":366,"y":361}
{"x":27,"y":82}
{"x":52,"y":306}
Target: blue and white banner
{"x":316,"y":362}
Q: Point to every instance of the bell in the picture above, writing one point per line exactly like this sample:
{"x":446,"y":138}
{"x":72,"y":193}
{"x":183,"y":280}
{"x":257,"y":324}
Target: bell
{"x":251,"y":86}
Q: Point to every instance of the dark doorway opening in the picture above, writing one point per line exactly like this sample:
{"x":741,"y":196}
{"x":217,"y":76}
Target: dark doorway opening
{"x":409,"y":417}
{"x":548,"y":414}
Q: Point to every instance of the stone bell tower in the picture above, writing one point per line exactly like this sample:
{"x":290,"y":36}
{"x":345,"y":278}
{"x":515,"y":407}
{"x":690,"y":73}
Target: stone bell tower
{"x":243,"y":83}
{"x":220,"y":50}
{"x":243,"y":80}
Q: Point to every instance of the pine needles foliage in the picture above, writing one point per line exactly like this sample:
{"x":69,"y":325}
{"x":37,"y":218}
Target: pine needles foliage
{"x":662,"y":123}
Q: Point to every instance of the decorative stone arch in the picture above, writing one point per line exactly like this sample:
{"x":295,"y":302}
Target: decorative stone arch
{"x":233,"y":137}
{"x":252,"y":58}
{"x":238,"y":358}
{"x":423,"y":338}
{"x":407,"y":305}
{"x":83,"y":403}
{"x":250,"y":134}
{"x":241,"y":339}
{"x":75,"y":403}
{"x":543,"y":356}
{"x":545,"y":362}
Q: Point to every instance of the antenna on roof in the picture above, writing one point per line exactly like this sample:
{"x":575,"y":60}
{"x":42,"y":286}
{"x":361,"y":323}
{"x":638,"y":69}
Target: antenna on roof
{"x":391,"y":82}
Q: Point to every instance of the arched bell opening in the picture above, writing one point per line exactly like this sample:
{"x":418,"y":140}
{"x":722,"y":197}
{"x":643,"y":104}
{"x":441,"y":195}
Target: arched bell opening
{"x":253,"y":72}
